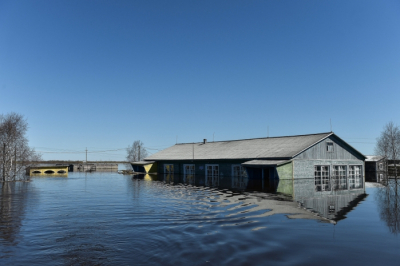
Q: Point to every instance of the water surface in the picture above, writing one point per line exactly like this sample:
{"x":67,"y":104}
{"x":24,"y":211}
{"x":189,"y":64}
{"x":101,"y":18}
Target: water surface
{"x":112,"y":219}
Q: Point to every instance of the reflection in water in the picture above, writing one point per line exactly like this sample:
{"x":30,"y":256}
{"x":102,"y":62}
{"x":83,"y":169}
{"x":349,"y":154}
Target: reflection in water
{"x":388,"y":198}
{"x":12,"y":208}
{"x":295,"y":195}
{"x":112,"y":219}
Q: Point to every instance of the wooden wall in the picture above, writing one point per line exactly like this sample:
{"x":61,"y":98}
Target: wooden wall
{"x":341,"y":151}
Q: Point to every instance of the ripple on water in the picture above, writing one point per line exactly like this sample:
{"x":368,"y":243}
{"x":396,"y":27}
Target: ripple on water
{"x":109,"y":219}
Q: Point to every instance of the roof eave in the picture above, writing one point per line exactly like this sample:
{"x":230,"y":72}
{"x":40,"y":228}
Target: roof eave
{"x":252,"y":158}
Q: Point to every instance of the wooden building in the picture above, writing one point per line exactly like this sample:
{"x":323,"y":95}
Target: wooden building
{"x":375,"y":168}
{"x":325,"y":158}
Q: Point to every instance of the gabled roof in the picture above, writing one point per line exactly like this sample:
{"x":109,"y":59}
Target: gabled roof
{"x":261,"y":148}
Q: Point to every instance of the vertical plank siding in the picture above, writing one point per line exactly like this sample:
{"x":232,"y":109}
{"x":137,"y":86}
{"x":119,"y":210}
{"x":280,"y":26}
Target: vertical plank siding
{"x":342,"y":154}
{"x":341,"y":151}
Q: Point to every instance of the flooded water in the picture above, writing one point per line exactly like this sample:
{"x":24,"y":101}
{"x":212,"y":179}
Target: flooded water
{"x":111,"y":219}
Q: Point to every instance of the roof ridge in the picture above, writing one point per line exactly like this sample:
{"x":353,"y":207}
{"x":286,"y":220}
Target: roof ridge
{"x":256,"y":138}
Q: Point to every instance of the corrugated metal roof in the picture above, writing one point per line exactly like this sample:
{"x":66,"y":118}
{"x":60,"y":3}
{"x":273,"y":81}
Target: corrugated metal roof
{"x":373,"y":158}
{"x":143,"y":162}
{"x":265,"y":162}
{"x":273,"y":147}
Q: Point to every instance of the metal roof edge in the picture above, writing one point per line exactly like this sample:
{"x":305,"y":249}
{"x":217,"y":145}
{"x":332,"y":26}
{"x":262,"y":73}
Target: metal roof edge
{"x":142,"y":162}
{"x":248,"y":159}
{"x":282,"y":163}
{"x":252,"y":139}
{"x":277,"y":164}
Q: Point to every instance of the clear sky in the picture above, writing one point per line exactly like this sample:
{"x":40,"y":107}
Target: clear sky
{"x":101,"y":74}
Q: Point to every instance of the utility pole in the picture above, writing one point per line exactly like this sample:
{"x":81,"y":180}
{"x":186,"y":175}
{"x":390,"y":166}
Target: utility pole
{"x":139,"y":153}
{"x":15,"y":161}
{"x":86,"y":154}
{"x":4,"y":162}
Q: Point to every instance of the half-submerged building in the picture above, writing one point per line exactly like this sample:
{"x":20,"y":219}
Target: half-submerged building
{"x":375,"y":168}
{"x":327,"y":159}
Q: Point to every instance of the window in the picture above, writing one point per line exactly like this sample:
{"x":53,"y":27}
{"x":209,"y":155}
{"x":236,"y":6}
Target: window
{"x":168,"y":168}
{"x":321,"y":174}
{"x":380,"y":177}
{"x":381,"y":166}
{"x":239,"y":176}
{"x":212,"y":174}
{"x":329,"y":146}
{"x":355,"y":177}
{"x":188,"y":174}
{"x":169,"y":172}
{"x":339,"y":177}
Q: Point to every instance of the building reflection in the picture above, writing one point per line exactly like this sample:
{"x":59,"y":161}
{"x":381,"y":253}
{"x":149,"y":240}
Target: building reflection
{"x":13,"y":199}
{"x":388,"y":199}
{"x":332,"y":205}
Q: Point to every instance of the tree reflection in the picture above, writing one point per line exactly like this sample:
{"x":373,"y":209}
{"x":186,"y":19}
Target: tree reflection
{"x":12,"y":207}
{"x":389,"y":205}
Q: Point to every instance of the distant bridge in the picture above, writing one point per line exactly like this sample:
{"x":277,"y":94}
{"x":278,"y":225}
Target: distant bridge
{"x":51,"y":170}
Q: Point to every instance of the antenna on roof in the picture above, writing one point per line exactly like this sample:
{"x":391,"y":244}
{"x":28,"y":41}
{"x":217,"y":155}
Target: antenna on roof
{"x":330,"y":121}
{"x":176,"y":139}
{"x":213,"y":136}
{"x":267,"y":131}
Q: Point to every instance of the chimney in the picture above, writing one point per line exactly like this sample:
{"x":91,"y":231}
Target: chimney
{"x":204,"y":141}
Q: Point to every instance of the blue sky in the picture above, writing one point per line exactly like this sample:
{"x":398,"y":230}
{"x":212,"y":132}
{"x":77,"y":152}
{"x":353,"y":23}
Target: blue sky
{"x":101,"y":74}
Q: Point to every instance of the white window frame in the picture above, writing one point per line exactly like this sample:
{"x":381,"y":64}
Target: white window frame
{"x":340,"y":177}
{"x":239,"y":180}
{"x":324,"y":186}
{"x":380,"y":166}
{"x":213,"y":180}
{"x":189,"y":176}
{"x":355,"y":180}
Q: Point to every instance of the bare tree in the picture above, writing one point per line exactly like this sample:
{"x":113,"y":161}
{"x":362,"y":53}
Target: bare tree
{"x":15,"y":153}
{"x":388,"y":201}
{"x":136,"y":152}
{"x":388,"y":144}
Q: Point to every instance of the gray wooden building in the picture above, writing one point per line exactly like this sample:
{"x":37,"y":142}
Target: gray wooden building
{"x":375,"y":168}
{"x":327,"y":159}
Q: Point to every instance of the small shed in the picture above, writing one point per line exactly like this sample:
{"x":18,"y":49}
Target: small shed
{"x":375,"y":168}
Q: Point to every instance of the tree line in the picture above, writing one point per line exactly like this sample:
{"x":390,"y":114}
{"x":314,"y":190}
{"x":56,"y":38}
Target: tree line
{"x":15,"y":153}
